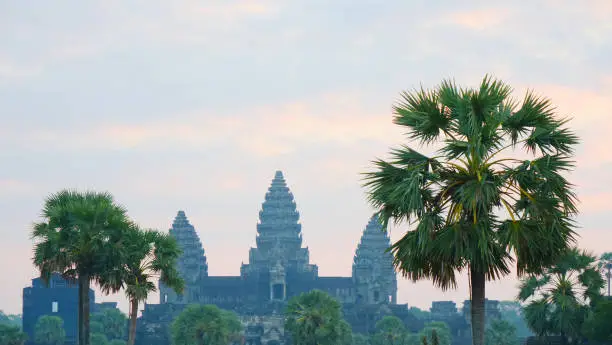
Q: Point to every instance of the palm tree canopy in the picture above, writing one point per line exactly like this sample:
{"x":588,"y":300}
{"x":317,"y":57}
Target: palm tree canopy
{"x":557,"y":299}
{"x":145,"y":255}
{"x":316,"y":317}
{"x":472,"y":204}
{"x":80,"y":235}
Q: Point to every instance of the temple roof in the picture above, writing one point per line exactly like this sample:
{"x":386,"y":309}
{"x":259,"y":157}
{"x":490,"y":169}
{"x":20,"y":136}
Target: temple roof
{"x":193,"y":259}
{"x":374,"y":242}
{"x":279,"y":217}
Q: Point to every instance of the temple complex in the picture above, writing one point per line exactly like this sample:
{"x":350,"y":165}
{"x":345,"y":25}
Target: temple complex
{"x":279,"y":268}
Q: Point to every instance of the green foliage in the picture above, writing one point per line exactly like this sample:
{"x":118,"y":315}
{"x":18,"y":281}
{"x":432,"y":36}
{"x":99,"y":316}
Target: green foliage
{"x":234,"y":326}
{"x":80,"y":237}
{"x":390,"y":330}
{"x":98,"y":339}
{"x":420,"y":314}
{"x":110,"y":322}
{"x":203,"y":324}
{"x":436,"y":333}
{"x":147,"y":256}
{"x":472,"y":206}
{"x":316,"y":318}
{"x":598,"y":326}
{"x":49,"y":330}
{"x":13,"y":320}
{"x":96,"y":327}
{"x":558,"y":299}
{"x":360,"y":339}
{"x":605,"y":266}
{"x":501,"y":332}
{"x":117,"y":342}
{"x":11,"y":335}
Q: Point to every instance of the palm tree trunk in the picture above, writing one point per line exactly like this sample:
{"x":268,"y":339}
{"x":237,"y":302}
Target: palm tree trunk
{"x":609,"y":275}
{"x":477,"y":280}
{"x":83,"y":309}
{"x":133,"y":319}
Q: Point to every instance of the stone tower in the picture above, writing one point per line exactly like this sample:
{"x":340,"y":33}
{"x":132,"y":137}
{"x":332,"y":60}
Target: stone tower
{"x":373,"y":272}
{"x":191,"y":264}
{"x":279,"y":240}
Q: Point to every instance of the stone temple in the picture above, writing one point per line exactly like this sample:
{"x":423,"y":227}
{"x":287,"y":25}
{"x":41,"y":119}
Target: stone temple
{"x":279,"y":268}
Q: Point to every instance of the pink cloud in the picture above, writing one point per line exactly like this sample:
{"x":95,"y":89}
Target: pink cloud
{"x":478,"y":20}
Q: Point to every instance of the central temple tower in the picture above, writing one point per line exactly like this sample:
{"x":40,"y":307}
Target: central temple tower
{"x":279,"y":251}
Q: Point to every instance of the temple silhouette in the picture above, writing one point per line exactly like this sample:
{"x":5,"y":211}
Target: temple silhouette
{"x":279,"y":268}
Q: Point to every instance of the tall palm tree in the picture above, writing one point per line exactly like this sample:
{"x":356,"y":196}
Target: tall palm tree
{"x":605,"y":265}
{"x":473,"y":207}
{"x":146,"y":256}
{"x":558,"y":297}
{"x":79,"y":237}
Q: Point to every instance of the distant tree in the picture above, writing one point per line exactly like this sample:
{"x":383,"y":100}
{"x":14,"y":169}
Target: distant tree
{"x":390,"y":330}
{"x":419,"y":313}
{"x":434,"y":337}
{"x":315,"y":318}
{"x":598,"y":325}
{"x":475,"y":206}
{"x":438,"y":331}
{"x":501,"y":332}
{"x":11,"y":335}
{"x":360,"y":339}
{"x":558,"y":299}
{"x":202,"y":325}
{"x":117,"y":342}
{"x":110,"y":322}
{"x":10,"y":319}
{"x":346,"y":333}
{"x":96,"y":327}
{"x":79,"y":237}
{"x":49,"y":330}
{"x":605,"y":265}
{"x":98,"y":339}
{"x":147,"y":256}
{"x":234,"y":326}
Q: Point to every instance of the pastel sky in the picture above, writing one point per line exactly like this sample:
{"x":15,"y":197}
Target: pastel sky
{"x":195,"y":104}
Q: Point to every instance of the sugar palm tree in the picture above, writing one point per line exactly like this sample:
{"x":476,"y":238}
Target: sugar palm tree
{"x":472,"y":206}
{"x":557,"y":299}
{"x":315,"y":318}
{"x":79,"y":238}
{"x":605,"y":265}
{"x":146,"y":256}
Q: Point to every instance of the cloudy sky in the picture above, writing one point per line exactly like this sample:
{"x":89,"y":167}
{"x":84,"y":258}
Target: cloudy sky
{"x":194,"y":104}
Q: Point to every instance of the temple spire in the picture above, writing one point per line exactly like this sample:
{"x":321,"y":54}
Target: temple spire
{"x":373,"y":269}
{"x":192,"y":263}
{"x":279,"y":232}
{"x":279,"y":218}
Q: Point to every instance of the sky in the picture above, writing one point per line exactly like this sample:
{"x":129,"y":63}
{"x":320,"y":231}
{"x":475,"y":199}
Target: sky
{"x":194,"y":105}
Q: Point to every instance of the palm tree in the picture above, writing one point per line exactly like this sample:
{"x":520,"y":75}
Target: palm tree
{"x":475,"y":208}
{"x":315,"y":318}
{"x":558,"y":298}
{"x":79,"y":237}
{"x":605,"y":265}
{"x":146,"y":255}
